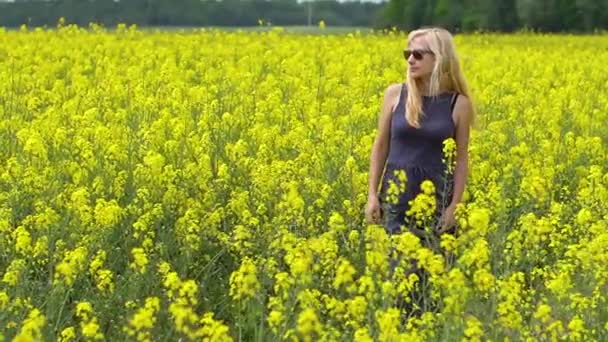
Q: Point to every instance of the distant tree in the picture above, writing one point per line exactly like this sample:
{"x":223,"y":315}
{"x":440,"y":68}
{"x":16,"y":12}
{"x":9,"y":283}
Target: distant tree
{"x":503,"y":15}
{"x":456,"y":15}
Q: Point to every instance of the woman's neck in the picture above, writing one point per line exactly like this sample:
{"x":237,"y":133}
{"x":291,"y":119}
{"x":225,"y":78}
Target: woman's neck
{"x":424,"y":86}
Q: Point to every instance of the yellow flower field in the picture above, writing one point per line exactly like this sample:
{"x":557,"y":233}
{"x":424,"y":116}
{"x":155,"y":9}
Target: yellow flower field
{"x":206,"y":185}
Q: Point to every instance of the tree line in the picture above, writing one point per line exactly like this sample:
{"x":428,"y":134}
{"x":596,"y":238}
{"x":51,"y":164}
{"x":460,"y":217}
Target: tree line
{"x":502,"y":15}
{"x":456,"y":15}
{"x":188,"y":12}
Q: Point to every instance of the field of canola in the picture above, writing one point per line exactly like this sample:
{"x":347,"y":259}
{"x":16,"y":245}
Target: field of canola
{"x":209,"y":185}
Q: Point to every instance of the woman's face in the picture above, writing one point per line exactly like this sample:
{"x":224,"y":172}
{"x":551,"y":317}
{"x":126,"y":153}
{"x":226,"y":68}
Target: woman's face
{"x":420,"y":60}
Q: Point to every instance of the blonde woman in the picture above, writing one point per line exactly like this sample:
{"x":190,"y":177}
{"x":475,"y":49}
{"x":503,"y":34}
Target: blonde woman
{"x":417,"y":116}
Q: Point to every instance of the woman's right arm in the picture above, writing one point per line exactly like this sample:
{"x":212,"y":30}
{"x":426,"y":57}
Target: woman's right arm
{"x":379,"y":152}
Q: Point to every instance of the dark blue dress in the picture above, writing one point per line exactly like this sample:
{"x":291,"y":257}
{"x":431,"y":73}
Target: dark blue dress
{"x":418,"y":152}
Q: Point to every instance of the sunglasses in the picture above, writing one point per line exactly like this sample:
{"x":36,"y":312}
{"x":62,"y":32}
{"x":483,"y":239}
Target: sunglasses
{"x":418,"y":54}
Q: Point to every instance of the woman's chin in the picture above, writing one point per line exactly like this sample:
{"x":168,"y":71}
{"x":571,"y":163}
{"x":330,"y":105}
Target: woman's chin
{"x":415,"y":73}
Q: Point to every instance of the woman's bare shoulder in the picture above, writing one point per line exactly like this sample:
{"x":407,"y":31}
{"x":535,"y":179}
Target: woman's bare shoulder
{"x":391,"y":95}
{"x":393,"y":89}
{"x":463,"y":109}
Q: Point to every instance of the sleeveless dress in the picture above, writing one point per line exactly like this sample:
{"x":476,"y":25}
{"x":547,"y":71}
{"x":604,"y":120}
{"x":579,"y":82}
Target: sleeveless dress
{"x":418,"y":152}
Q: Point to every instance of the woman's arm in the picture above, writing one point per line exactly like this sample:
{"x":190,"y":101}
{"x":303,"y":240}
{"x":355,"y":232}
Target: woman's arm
{"x":463,"y":112}
{"x":379,"y":151}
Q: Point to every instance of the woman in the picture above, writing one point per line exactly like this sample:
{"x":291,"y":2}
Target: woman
{"x":416,"y":118}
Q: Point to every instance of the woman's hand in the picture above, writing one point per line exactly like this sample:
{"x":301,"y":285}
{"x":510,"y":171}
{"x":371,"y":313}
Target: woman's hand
{"x":372,"y":210}
{"x":447,"y":220}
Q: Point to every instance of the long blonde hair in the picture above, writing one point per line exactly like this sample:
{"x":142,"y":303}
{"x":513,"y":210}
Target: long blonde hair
{"x":446,"y":75}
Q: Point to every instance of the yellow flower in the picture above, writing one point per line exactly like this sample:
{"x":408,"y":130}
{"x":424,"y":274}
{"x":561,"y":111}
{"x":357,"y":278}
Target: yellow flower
{"x":23,"y":240}
{"x":68,"y":334}
{"x":357,"y":308}
{"x":282,"y":284}
{"x":13,"y":272}
{"x":72,"y":265}
{"x":31,"y":329}
{"x":4,"y":300}
{"x":155,"y":161}
{"x":300,"y":261}
{"x":105,"y":280}
{"x":560,"y":284}
{"x":396,"y":186}
{"x":213,"y":330}
{"x":448,"y":242}
{"x":584,"y":217}
{"x":184,"y":317}
{"x":107,"y":213}
{"x":97,"y":262}
{"x":422,"y":208}
{"x":407,"y":243}
{"x":479,"y":220}
{"x":275,"y":320}
{"x":407,"y":284}
{"x":309,"y":298}
{"x":335,"y":307}
{"x":140,"y":260}
{"x":576,"y":328}
{"x":543,"y":313}
{"x":344,"y":273}
{"x":449,"y":154}
{"x":388,"y":289}
{"x":474,"y":329}
{"x":241,"y":239}
{"x":457,"y":291}
{"x":172,"y":283}
{"x":337,"y":223}
{"x":308,"y":324}
{"x":80,"y":204}
{"x":243,"y":282}
{"x":366,"y":286}
{"x":5,"y":224}
{"x":41,"y":249}
{"x":484,"y":280}
{"x":90,"y":329}
{"x":477,"y":256}
{"x":103,"y":277}
{"x":432,"y":262}
{"x":427,"y":187}
{"x":189,"y":290}
{"x":389,"y":323}
{"x":354,"y":239}
{"x":143,"y":320}
{"x":362,"y":335}
{"x":511,"y":293}
{"x":84,"y":310}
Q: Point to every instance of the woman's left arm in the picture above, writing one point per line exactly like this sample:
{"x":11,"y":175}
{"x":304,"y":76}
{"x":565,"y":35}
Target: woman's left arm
{"x":463,"y":114}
